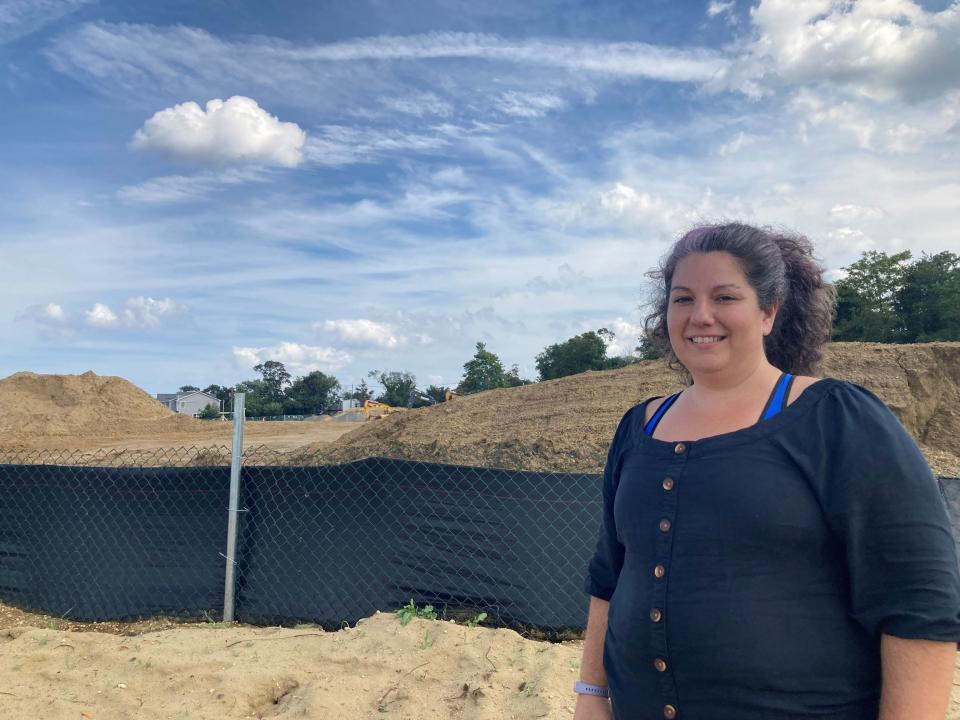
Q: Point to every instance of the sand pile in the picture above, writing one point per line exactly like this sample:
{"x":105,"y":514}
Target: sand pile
{"x":566,"y":424}
{"x":79,"y":406}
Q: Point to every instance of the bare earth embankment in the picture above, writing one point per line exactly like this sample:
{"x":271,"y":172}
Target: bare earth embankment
{"x":52,"y":668}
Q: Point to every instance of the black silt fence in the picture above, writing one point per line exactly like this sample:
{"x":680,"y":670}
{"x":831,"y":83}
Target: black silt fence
{"x":324,"y":544}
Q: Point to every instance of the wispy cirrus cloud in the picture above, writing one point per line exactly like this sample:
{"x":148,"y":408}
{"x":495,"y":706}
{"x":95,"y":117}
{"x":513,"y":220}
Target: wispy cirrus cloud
{"x":19,"y":18}
{"x":187,"y":188}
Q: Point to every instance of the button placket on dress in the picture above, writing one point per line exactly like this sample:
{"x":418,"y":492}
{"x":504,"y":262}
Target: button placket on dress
{"x":660,"y":662}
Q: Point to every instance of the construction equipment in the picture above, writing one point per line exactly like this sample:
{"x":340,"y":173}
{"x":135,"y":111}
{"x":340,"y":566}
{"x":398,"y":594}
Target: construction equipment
{"x":450,"y":395}
{"x":376,"y":410}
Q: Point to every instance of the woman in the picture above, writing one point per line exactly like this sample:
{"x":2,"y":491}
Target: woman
{"x":773,"y":545}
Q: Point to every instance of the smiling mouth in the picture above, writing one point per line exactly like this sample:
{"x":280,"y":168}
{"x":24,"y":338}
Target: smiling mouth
{"x":707,"y":339}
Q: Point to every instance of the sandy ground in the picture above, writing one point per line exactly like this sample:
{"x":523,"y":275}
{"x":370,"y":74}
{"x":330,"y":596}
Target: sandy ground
{"x":425,"y":670}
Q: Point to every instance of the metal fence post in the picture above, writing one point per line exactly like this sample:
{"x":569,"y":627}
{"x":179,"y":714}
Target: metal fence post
{"x":236,"y":459}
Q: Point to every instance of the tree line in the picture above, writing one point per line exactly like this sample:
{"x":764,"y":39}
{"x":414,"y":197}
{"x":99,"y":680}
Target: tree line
{"x":883,"y":298}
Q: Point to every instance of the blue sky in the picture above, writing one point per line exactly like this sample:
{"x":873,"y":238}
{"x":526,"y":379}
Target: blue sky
{"x":187,"y":188}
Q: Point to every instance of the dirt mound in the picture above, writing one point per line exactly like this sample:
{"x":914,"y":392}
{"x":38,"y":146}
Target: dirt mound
{"x":79,"y":406}
{"x":566,"y":425}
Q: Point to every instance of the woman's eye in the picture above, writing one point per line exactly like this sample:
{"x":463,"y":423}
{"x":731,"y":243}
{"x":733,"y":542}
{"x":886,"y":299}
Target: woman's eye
{"x":725,"y":298}
{"x":680,"y":299}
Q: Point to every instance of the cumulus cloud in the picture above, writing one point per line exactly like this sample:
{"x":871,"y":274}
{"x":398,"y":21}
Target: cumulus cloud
{"x":235,"y":130}
{"x":626,"y":337}
{"x":49,"y":314}
{"x":528,"y":105}
{"x":298,"y":359}
{"x":140,"y":312}
{"x":855,"y":213}
{"x":629,"y":204}
{"x":101,"y":316}
{"x":363,"y":332}
{"x":879,"y":49}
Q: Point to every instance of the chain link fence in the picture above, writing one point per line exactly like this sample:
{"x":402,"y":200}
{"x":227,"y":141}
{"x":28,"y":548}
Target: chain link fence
{"x":110,"y":535}
{"x":126,"y":535}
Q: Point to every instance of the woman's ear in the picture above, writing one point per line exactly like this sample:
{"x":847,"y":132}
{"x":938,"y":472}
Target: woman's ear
{"x":768,"y":318}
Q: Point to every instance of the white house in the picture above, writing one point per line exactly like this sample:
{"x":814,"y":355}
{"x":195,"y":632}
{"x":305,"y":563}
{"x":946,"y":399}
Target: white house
{"x":189,"y":403}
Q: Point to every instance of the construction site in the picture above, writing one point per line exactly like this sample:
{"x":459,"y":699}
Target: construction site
{"x":55,"y":667}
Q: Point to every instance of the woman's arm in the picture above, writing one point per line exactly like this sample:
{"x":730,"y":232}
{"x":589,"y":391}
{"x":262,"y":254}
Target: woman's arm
{"x":917,"y":678}
{"x":591,"y":707}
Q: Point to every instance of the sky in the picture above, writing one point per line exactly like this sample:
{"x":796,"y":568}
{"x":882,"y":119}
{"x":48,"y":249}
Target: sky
{"x":188,"y":189}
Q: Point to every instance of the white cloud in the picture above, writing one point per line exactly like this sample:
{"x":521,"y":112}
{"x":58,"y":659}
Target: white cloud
{"x":237,"y":130}
{"x":626,"y":337}
{"x":715,"y":7}
{"x":451,"y":176}
{"x":363,"y":332}
{"x":419,"y":105}
{"x":875,"y":48}
{"x":741,"y":140}
{"x":528,"y":105}
{"x":186,"y":188}
{"x":19,"y":18}
{"x":140,"y":312}
{"x":145,"y":312}
{"x":101,"y":316}
{"x":340,"y":145}
{"x":298,"y":359}
{"x":49,"y":314}
{"x":855,"y":213}
{"x":635,"y":206}
{"x":129,"y":58}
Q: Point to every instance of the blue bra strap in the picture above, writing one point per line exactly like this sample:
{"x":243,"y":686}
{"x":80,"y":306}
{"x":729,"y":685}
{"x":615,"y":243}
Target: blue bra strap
{"x":778,"y":398}
{"x":664,"y":406}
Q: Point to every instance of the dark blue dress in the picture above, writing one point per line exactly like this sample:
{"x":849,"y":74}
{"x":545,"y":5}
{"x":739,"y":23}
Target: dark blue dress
{"x":751,"y":574}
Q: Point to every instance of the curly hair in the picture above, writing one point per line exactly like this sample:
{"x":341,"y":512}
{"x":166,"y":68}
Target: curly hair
{"x":780,"y":267}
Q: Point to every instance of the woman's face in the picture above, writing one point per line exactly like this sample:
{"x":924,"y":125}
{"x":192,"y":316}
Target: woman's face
{"x":713,"y":317}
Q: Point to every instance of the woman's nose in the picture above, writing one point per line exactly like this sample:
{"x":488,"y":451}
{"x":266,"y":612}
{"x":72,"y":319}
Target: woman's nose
{"x":702,"y":313}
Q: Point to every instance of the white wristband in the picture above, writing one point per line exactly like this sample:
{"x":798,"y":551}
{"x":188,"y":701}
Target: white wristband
{"x":583,"y":688}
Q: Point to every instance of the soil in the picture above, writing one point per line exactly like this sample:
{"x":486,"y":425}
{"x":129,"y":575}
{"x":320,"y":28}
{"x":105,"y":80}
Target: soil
{"x":565,"y":425}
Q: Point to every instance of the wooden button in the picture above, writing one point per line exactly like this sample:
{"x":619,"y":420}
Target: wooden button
{"x":660,"y":664}
{"x":679,"y":448}
{"x":656,"y":615}
{"x":659,"y":571}
{"x":665,"y":525}
{"x":668,"y":483}
{"x":669,"y":712}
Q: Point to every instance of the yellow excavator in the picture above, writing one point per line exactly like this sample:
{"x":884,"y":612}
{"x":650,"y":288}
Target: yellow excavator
{"x":376,"y":410}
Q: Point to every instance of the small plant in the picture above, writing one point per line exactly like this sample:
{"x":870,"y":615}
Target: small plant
{"x":410,"y":611}
{"x":425,"y":641}
{"x":477,"y":620}
{"x":526,"y":689}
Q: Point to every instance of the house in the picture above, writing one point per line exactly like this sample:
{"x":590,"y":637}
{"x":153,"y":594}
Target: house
{"x":189,"y":403}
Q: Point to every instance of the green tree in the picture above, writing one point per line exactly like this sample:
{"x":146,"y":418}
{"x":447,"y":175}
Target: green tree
{"x":512,"y":377}
{"x":436,"y":393}
{"x":928,"y":303}
{"x":398,"y":387}
{"x":275,"y":378}
{"x":483,"y":371}
{"x":210,"y":412}
{"x":223,"y":394}
{"x":646,"y":350}
{"x":187,"y":388}
{"x":312,"y":394}
{"x":360,"y":393}
{"x":866,"y":297}
{"x":256,"y":397}
{"x":587,"y":351}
